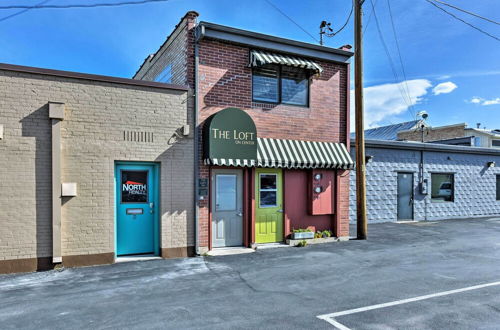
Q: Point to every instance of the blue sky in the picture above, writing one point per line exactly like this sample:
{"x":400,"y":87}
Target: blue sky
{"x":452,"y":70}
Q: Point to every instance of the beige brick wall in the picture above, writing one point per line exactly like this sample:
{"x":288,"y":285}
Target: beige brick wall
{"x":433,"y":133}
{"x":96,"y":116}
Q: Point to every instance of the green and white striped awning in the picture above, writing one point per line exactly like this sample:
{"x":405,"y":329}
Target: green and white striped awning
{"x":260,"y":58}
{"x":293,"y":154}
{"x":302,"y":154}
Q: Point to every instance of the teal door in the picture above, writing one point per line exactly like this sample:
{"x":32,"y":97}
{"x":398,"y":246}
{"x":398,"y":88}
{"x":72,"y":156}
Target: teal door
{"x":136,"y":213}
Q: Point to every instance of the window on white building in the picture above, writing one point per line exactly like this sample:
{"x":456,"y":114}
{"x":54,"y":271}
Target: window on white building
{"x":498,"y":187}
{"x":442,"y":187}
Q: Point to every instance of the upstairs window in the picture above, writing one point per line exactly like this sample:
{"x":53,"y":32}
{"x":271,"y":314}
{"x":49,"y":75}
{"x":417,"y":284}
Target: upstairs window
{"x":166,"y":75}
{"x":265,"y":84}
{"x":294,"y":86}
{"x":280,"y":84}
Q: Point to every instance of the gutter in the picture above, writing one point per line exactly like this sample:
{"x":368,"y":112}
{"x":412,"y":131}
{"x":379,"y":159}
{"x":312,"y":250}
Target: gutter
{"x":426,"y":146}
{"x":251,"y":39}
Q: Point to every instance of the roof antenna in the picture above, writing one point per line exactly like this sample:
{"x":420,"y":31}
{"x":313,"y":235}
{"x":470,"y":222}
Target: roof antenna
{"x":325,"y":29}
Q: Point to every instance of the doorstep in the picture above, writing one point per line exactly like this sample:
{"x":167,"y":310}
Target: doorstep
{"x":227,"y":251}
{"x":263,"y":246}
{"x":141,"y":257}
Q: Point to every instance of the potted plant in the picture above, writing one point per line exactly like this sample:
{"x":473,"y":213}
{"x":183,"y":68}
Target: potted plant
{"x":302,"y":234}
{"x":326,"y":234}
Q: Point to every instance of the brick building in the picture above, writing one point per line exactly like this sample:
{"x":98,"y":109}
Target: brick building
{"x":272,"y":132}
{"x":91,"y":168}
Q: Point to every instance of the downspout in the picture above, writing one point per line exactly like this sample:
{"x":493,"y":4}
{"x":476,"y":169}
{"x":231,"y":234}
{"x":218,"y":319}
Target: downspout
{"x":56,"y":115}
{"x":196,"y":150}
{"x":423,"y":189}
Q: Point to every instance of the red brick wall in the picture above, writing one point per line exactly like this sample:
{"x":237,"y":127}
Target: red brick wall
{"x":225,"y":80}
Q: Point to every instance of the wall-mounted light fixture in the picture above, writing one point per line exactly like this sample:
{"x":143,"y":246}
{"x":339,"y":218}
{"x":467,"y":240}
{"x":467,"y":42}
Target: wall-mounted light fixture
{"x":318,"y":189}
{"x":368,"y":159}
{"x":490,"y":164}
{"x":317,"y":176}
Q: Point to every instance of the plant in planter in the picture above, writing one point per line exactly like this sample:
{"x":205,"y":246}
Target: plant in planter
{"x":326,"y":233}
{"x":318,"y":234}
{"x":302,"y":234}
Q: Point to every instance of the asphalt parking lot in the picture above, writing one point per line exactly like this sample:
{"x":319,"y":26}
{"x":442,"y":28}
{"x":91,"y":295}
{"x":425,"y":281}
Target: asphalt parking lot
{"x":428,"y":275}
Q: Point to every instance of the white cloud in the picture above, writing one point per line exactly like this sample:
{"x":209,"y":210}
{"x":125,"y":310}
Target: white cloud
{"x":481,"y":101}
{"x":383,"y":101}
{"x":444,"y":88}
{"x":492,"y":101}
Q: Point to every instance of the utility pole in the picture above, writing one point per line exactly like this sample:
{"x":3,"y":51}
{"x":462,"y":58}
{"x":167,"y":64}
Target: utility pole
{"x":362,"y":224}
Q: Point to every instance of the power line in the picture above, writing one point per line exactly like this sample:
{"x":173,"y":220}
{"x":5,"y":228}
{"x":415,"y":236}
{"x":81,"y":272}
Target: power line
{"x":369,"y":17}
{"x":400,"y":57}
{"x":467,"y":12}
{"x":391,"y":63}
{"x":347,"y":21}
{"x":88,"y":5}
{"x":463,"y":21}
{"x":22,"y":11}
{"x":291,"y":20}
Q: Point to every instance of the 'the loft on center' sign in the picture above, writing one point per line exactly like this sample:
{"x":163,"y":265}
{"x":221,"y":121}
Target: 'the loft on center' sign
{"x":230,"y":134}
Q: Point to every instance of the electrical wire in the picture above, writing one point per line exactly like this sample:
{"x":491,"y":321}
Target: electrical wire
{"x":22,"y":11}
{"x":347,"y":21}
{"x":369,"y":18}
{"x":391,"y":63}
{"x":88,"y":5}
{"x":400,"y":57}
{"x":463,"y":21}
{"x":291,"y":20}
{"x":468,"y":12}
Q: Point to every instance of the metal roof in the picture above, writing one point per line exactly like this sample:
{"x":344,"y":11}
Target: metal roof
{"x":389,"y":132}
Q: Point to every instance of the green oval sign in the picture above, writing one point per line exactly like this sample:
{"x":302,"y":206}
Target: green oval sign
{"x":230,"y":134}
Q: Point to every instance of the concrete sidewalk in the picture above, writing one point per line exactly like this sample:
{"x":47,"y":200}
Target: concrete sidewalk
{"x":278,"y":288}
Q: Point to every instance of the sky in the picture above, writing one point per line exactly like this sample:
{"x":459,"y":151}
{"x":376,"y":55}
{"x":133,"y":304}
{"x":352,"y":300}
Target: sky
{"x":449,"y":69}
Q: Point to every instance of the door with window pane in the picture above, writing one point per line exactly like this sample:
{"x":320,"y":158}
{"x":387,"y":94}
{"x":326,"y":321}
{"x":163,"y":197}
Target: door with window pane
{"x":227,"y":208}
{"x":269,"y":206}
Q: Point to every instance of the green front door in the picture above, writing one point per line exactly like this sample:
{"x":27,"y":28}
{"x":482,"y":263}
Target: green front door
{"x":269,"y":205}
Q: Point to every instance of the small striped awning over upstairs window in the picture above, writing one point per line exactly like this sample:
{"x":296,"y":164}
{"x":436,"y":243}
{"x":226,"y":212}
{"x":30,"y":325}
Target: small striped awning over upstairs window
{"x":302,"y":154}
{"x":260,"y":58}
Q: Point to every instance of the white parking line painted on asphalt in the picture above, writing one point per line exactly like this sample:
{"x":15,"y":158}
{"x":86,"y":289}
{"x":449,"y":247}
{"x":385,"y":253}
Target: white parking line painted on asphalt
{"x":330,"y":318}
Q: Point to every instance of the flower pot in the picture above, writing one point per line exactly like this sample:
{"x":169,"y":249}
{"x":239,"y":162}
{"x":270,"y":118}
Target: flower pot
{"x":303,"y":235}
